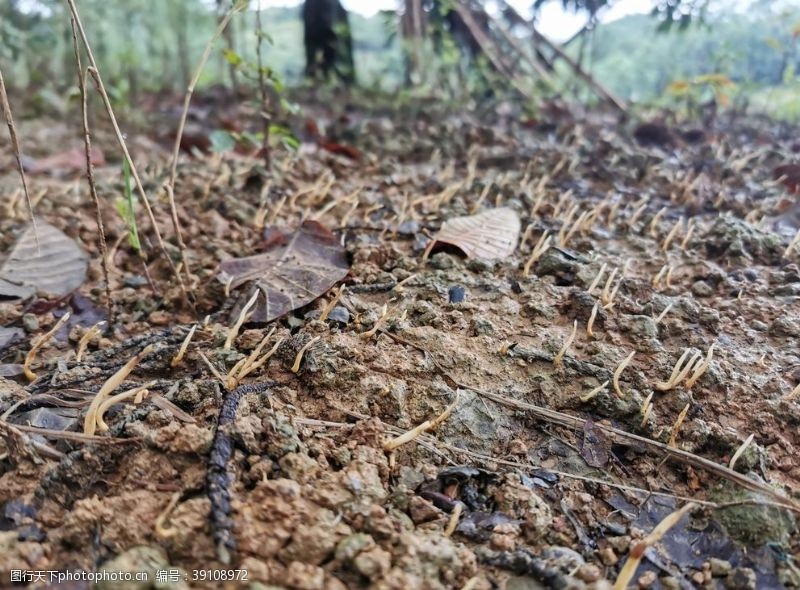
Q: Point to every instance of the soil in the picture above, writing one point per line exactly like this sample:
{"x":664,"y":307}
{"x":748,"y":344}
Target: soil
{"x":501,"y":494}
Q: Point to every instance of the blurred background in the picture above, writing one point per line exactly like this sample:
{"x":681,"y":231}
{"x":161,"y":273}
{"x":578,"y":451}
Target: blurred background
{"x":665,"y":53}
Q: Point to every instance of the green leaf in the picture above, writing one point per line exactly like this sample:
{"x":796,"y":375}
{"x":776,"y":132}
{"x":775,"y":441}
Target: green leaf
{"x":232,"y":57}
{"x":221,"y":141}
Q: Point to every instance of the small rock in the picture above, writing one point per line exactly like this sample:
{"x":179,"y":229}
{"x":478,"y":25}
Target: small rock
{"x":303,"y":576}
{"x":758,"y":326}
{"x":702,"y":289}
{"x":421,"y":510}
{"x":456,"y":294}
{"x":442,"y":261}
{"x":589,"y":573}
{"x":719,"y":567}
{"x":742,"y":578}
{"x":482,"y":327}
{"x":647,"y":579}
{"x":373,"y":563}
{"x":349,"y":547}
{"x":30,"y":322}
{"x":608,"y":557}
{"x":136,"y":560}
{"x":479,"y":265}
{"x":339,"y":315}
{"x":785,"y":326}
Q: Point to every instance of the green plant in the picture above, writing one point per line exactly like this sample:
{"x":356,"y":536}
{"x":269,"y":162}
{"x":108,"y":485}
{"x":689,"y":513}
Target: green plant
{"x":126,"y":208}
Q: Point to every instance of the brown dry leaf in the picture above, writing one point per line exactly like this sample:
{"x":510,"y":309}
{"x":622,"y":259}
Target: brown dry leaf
{"x":67,"y":162}
{"x":299,"y":268}
{"x":491,"y":235}
{"x":56,"y":267}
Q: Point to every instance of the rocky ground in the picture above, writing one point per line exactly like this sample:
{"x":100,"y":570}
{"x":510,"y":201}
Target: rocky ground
{"x":547,"y":470}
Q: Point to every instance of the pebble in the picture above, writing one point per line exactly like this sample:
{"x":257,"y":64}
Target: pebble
{"x":456,"y":294}
{"x":742,"y":578}
{"x":719,"y":567}
{"x":608,"y":557}
{"x":647,"y":579}
{"x":702,"y":289}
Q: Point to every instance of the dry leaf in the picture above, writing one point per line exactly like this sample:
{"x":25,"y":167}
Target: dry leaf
{"x":299,"y":268}
{"x":491,"y":235}
{"x":66,"y":162}
{"x":56,"y":267}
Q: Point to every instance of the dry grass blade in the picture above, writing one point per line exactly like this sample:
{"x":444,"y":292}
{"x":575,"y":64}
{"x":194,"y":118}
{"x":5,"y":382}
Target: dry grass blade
{"x":87,"y":145}
{"x":637,"y":552}
{"x":12,"y":131}
{"x":490,"y":235}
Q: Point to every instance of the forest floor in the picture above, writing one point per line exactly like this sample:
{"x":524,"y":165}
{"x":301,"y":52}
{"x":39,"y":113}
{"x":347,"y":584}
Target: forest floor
{"x":539,"y":474}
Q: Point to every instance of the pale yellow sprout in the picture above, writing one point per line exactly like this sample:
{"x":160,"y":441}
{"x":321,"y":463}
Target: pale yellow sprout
{"x":38,"y":343}
{"x":618,"y":373}
{"x":234,"y":330}
{"x":560,"y":356}
{"x":299,"y":358}
{"x":741,"y":450}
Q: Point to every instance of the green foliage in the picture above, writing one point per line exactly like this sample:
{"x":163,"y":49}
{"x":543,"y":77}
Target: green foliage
{"x":126,"y":209}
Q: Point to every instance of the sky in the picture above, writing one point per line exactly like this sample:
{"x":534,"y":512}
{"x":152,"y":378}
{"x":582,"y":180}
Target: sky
{"x":554,"y":22}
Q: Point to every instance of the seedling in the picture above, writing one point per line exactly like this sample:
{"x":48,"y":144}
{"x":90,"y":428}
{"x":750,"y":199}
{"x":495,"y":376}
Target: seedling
{"x":126,"y":208}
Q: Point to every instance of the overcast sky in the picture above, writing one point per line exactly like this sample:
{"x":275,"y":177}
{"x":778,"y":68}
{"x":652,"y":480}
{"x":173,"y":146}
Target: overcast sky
{"x":553,"y":20}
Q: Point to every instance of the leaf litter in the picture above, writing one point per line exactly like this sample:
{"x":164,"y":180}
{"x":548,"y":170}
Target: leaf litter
{"x":529,"y":480}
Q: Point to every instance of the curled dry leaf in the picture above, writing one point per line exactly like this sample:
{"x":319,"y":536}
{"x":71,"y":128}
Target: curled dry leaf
{"x":491,"y":235}
{"x":55,"y":266}
{"x":297,"y":269}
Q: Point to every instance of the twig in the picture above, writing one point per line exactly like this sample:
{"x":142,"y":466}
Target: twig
{"x":170,"y":186}
{"x":95,"y":73}
{"x":87,"y":145}
{"x":12,"y":131}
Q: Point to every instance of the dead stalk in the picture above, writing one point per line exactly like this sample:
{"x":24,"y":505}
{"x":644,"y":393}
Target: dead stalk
{"x":12,"y":132}
{"x":87,"y":149}
{"x":37,"y":344}
{"x":170,"y":186}
{"x":541,"y":247}
{"x":95,"y":73}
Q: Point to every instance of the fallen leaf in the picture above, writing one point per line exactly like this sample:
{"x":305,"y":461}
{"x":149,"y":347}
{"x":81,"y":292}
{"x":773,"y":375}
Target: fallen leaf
{"x":490,"y":235}
{"x":789,"y":174}
{"x":340,"y":149}
{"x":8,"y":336}
{"x":55,"y":267}
{"x":66,"y":162}
{"x":292,"y":273}
{"x":596,"y":447}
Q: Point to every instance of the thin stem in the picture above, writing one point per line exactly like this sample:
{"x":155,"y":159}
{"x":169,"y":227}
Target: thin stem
{"x":12,"y":131}
{"x":87,"y":144}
